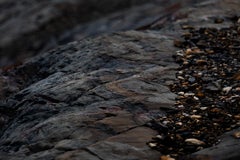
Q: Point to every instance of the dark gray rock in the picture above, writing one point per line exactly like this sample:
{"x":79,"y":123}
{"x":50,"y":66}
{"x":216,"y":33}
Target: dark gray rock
{"x":92,"y":99}
{"x":31,"y":27}
{"x":91,"y":93}
{"x":226,"y":149}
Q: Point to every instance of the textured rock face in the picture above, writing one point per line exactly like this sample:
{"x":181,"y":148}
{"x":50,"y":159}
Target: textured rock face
{"x":94,"y":99}
{"x":30,"y":27}
{"x":91,"y":99}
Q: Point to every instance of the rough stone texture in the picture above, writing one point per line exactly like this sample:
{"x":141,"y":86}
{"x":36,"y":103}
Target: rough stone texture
{"x":93,"y":99}
{"x":227,"y":149}
{"x":90,"y":99}
{"x":30,"y":27}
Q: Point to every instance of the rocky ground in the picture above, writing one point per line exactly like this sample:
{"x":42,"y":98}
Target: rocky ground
{"x":106,"y":97}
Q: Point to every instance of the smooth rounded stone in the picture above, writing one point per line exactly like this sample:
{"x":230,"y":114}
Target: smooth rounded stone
{"x":194,"y":141}
{"x":196,"y":116}
{"x":192,"y":79}
{"x":236,"y":135}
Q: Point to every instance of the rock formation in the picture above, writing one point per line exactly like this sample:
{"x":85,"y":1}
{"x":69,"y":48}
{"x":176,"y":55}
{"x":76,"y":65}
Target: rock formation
{"x":94,"y":99}
{"x":32,"y":27}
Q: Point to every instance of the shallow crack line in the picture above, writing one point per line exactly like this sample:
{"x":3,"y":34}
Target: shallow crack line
{"x":92,"y":153}
{"x":130,"y":60}
{"x":48,"y":98}
{"x":129,"y":129}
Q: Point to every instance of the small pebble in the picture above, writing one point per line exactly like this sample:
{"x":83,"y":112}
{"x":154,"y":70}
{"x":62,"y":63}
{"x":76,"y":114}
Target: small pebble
{"x":181,"y":106}
{"x":196,"y":116}
{"x":203,"y":108}
{"x":192,"y":79}
{"x":194,"y":111}
{"x":181,"y":93}
{"x":180,"y":53}
{"x":159,"y":137}
{"x":236,"y":134}
{"x":196,"y":98}
{"x":166,"y":158}
{"x":180,"y":72}
{"x":200,"y":74}
{"x":185,"y":114}
{"x":179,"y":123}
{"x":237,"y":117}
{"x":189,"y":94}
{"x":152,"y":145}
{"x":194,"y":141}
{"x":180,"y":77}
{"x":227,"y":89}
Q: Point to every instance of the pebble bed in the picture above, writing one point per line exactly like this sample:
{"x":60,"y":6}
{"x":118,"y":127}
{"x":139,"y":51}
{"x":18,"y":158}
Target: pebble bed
{"x":208,"y":89}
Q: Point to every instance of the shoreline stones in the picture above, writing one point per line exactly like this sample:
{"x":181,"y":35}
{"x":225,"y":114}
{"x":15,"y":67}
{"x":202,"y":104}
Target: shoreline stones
{"x":208,"y":92}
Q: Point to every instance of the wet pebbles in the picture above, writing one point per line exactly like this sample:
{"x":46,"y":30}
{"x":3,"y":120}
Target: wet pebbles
{"x":208,"y":89}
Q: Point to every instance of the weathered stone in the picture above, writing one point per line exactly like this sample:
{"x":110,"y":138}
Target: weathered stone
{"x":227,"y":148}
{"x":115,"y":150}
{"x":76,"y":155}
{"x":73,"y":105}
{"x":119,"y":122}
{"x":91,"y":99}
{"x":71,"y":144}
{"x":136,"y":137}
{"x":29,"y":28}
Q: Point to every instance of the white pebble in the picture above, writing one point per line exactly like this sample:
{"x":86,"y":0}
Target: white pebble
{"x":194,"y":141}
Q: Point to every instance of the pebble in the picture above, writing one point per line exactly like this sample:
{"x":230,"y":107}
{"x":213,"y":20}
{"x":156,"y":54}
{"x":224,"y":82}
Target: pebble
{"x":181,"y":93}
{"x":227,"y":89}
{"x":196,"y":98}
{"x":180,"y":53}
{"x":203,"y":108}
{"x":196,"y":116}
{"x":180,"y":77}
{"x":180,"y":72}
{"x":194,"y":141}
{"x":192,"y":79}
{"x":237,"y":117}
{"x":201,"y":62}
{"x":179,"y":123}
{"x":194,"y":111}
{"x":166,"y":158}
{"x":152,"y":145}
{"x":159,"y":137}
{"x":189,"y":94}
{"x":185,"y":114}
{"x":236,"y":134}
{"x":181,"y":106}
{"x":200,"y":74}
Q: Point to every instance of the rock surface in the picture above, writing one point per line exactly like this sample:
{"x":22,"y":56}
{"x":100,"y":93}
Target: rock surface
{"x":29,"y":27}
{"x":90,"y":99}
{"x":94,"y":99}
